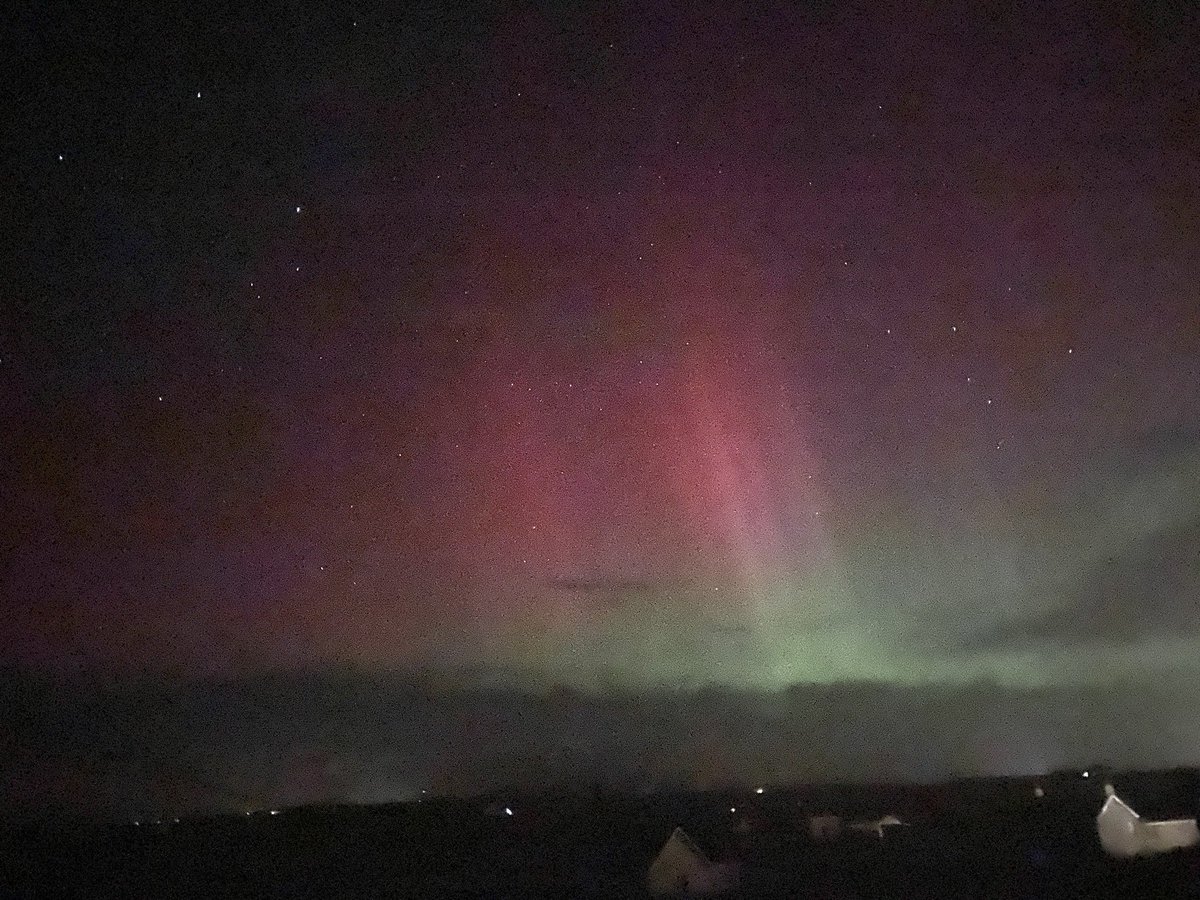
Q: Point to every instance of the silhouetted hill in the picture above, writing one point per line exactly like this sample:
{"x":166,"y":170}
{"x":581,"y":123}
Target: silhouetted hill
{"x":979,"y":838}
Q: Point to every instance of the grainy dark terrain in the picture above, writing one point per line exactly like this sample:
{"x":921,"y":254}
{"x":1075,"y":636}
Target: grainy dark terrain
{"x":985,"y":839}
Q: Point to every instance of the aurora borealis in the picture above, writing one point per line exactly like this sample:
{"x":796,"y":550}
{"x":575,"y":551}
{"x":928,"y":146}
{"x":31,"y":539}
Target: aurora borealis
{"x":610,"y":348}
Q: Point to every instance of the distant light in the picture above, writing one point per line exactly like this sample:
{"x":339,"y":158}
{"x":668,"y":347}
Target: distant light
{"x":197,"y":95}
{"x":507,"y":811}
{"x":758,"y":790}
{"x":733,"y":809}
{"x":274,"y":812}
{"x":297,"y":209}
{"x":60,"y":159}
{"x":1086,"y":773}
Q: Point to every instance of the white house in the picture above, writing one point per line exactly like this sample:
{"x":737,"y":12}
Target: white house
{"x":1125,"y":834}
{"x":826,"y":827}
{"x":877,"y":826}
{"x":682,"y":868}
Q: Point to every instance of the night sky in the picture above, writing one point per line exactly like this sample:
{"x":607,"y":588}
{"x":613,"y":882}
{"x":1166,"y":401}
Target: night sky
{"x":623,"y":348}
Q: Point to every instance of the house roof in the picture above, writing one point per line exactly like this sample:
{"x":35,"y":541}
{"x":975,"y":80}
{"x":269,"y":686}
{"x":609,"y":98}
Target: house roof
{"x":683,"y":838}
{"x":1156,"y":799}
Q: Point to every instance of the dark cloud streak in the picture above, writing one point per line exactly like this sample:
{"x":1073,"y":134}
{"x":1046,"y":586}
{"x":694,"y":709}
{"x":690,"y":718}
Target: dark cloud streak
{"x":156,"y":747}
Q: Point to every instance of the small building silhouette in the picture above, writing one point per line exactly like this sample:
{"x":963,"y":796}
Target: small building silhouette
{"x":1125,"y":834}
{"x":682,"y":868}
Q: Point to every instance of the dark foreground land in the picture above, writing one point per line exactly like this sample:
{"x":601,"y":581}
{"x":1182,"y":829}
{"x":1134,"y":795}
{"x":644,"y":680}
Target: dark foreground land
{"x":990,"y":839}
